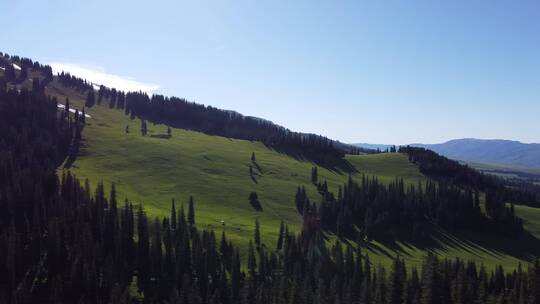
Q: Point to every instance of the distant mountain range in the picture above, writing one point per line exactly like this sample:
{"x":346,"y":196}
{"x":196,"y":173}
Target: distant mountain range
{"x":495,"y":152}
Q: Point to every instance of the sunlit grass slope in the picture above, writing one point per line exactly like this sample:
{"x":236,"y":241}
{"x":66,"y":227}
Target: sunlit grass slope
{"x":215,"y":170}
{"x":152,"y":170}
{"x":531,"y":218}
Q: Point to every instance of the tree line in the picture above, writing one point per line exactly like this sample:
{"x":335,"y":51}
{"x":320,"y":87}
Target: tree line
{"x":370,"y":209}
{"x":180,"y":113}
{"x":441,"y":168}
{"x":10,"y":74}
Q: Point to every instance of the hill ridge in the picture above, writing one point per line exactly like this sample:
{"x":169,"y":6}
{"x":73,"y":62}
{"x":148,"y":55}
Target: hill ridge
{"x":502,"y":152}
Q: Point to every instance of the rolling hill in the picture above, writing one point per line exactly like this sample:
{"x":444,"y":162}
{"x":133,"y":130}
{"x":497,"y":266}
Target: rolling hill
{"x":504,"y":158}
{"x":155,"y":169}
{"x":508,"y":154}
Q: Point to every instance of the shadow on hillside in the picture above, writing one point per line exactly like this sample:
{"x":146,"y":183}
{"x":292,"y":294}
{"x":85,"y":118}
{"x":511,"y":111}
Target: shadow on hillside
{"x":258,"y":167}
{"x":525,"y":247}
{"x":329,"y":161}
{"x":73,"y":153}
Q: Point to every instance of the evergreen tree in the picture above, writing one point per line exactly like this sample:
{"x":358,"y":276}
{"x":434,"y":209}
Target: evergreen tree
{"x":430,"y":280}
{"x":281,"y":235}
{"x":23,"y":74}
{"x":252,"y":261}
{"x":534,"y":282}
{"x":9,"y":73}
{"x":191,"y":212}
{"x":314,"y":175}
{"x":396,"y":282}
{"x":235,"y":276}
{"x":90,"y":99}
{"x":257,"y":234}
{"x":144,"y":129}
{"x":173,"y":215}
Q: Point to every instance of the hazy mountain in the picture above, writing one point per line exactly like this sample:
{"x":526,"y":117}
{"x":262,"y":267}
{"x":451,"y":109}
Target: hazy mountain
{"x":502,"y":152}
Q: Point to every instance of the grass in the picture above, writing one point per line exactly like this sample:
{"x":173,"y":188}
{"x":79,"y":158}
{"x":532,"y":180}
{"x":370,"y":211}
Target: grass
{"x":153,"y":169}
{"x":531,"y":218}
{"x":387,"y":167}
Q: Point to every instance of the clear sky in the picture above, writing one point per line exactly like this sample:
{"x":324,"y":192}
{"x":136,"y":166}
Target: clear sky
{"x":358,"y":71}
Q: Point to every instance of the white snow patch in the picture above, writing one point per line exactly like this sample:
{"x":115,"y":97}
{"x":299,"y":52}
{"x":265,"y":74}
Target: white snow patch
{"x":95,"y":86}
{"x":1,"y":68}
{"x":61,"y":106}
{"x":18,"y":68}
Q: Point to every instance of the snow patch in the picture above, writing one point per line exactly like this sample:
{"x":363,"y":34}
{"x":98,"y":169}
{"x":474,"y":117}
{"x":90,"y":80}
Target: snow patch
{"x":61,"y":106}
{"x":18,"y":68}
{"x":1,"y":68}
{"x":95,"y":86}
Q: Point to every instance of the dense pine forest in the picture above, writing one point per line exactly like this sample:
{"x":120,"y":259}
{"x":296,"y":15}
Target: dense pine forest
{"x":369,"y":209}
{"x":63,"y":240}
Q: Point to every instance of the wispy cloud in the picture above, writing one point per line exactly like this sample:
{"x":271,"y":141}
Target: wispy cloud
{"x":100,"y":77}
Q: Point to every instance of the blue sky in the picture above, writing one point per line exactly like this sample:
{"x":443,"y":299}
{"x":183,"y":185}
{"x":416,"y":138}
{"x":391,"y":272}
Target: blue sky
{"x":358,"y":71}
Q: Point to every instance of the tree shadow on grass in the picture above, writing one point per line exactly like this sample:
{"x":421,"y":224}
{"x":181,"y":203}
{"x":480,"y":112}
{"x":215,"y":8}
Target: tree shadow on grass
{"x":257,"y":166}
{"x":256,"y":205}
{"x":331,"y":162}
{"x":524,"y":247}
{"x":72,"y":154}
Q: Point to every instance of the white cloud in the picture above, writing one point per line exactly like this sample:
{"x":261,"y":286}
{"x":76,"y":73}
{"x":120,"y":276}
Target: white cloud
{"x":99,"y":76}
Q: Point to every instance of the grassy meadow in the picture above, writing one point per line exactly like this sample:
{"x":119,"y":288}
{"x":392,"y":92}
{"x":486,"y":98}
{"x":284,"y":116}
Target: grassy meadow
{"x":153,"y":169}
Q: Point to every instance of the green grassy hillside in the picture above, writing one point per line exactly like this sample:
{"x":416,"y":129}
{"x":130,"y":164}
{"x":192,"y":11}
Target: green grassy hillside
{"x":153,"y":170}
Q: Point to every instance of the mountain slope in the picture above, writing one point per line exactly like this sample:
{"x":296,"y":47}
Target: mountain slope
{"x":501,"y":152}
{"x":154,"y":169}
